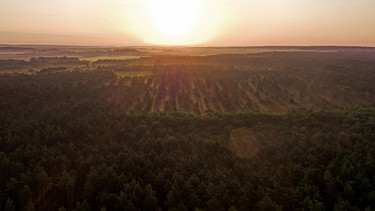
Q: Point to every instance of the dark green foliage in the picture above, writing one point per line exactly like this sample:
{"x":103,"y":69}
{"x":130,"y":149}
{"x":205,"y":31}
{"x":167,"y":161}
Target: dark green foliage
{"x":62,"y":146}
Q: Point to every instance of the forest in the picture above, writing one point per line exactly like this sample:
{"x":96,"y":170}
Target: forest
{"x":224,"y":132}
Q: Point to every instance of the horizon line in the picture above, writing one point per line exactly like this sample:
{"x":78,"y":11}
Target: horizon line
{"x":185,"y":46}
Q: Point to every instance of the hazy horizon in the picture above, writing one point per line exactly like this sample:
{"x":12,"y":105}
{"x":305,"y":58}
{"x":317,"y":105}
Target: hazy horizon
{"x":191,"y":23}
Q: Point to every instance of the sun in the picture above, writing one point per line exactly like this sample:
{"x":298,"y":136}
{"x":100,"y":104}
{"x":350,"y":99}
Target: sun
{"x":175,"y":22}
{"x":175,"y":18}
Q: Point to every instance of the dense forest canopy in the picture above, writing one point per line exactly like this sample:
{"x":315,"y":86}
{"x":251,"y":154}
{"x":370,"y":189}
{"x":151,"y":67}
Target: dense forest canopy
{"x":270,"y":131}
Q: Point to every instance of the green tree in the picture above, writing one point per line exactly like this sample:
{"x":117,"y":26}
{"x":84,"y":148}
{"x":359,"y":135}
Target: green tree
{"x":9,"y":205}
{"x":267,"y":204}
{"x":67,"y":182}
{"x":150,"y":201}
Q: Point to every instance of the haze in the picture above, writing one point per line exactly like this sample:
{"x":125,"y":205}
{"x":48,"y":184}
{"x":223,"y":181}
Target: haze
{"x":210,"y":23}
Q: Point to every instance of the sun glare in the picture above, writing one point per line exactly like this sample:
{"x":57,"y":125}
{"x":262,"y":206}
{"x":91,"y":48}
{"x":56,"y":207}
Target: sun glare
{"x":175,"y":18}
{"x":175,"y":22}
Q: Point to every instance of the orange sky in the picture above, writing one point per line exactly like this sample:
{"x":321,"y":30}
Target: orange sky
{"x":188,"y":22}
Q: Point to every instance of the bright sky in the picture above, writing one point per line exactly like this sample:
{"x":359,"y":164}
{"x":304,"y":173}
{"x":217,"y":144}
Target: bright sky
{"x":188,"y":22}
